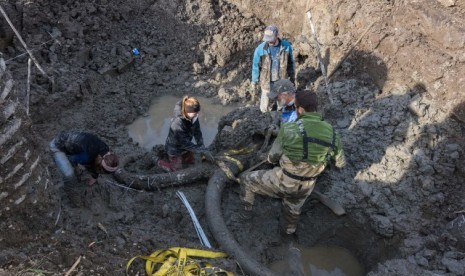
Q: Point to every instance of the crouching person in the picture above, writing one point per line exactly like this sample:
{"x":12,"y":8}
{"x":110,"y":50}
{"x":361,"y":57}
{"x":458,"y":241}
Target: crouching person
{"x":184,"y":128}
{"x":73,"y":148}
{"x":303,"y":148}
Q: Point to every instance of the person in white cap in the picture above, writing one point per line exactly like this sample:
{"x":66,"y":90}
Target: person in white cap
{"x":283,"y":93}
{"x":272,"y":61}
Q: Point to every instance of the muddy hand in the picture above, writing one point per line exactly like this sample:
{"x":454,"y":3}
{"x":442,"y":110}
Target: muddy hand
{"x":91,"y":181}
{"x":209,"y":157}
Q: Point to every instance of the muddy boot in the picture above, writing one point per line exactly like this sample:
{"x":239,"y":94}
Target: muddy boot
{"x":73,"y":191}
{"x":287,"y":226}
{"x":166,"y":166}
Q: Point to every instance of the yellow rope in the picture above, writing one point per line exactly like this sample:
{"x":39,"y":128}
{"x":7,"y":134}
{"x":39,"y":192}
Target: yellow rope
{"x":177,"y":261}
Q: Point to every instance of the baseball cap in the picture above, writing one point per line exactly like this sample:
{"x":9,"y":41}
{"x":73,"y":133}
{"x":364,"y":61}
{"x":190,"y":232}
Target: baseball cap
{"x":281,"y":86}
{"x":271,"y":32}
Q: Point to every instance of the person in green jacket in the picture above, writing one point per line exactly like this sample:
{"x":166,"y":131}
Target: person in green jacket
{"x":303,"y":149}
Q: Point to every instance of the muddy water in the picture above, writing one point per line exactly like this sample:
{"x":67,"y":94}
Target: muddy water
{"x":152,"y":129}
{"x":318,"y":261}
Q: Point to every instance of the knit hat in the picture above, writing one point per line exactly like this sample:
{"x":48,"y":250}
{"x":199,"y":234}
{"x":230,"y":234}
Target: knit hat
{"x":281,"y":86}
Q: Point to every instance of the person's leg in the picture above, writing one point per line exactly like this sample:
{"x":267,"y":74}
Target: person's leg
{"x":71,"y":185}
{"x":264,"y":100}
{"x":61,"y":160}
{"x":292,"y":205}
{"x":263,"y":182}
{"x":188,"y":158}
{"x":173,"y":164}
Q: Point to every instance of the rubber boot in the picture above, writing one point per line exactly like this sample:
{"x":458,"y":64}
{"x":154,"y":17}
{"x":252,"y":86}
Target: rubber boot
{"x":61,"y":160}
{"x":288,"y":222}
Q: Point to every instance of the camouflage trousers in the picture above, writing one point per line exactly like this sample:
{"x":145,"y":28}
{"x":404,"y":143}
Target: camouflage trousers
{"x":275,"y":184}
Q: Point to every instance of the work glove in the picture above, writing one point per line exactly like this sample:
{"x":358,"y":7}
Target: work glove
{"x":209,"y":156}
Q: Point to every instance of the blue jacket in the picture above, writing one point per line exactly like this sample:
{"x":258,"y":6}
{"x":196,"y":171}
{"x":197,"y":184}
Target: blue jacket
{"x":261,"y":64}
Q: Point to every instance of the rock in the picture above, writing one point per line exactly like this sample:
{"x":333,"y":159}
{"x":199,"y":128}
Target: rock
{"x":447,"y":3}
{"x":383,"y":225}
{"x":413,"y":244}
{"x":457,"y":229}
{"x":165,"y":210}
{"x":422,"y":261}
{"x":455,"y":262}
{"x":343,"y":123}
{"x":197,"y":68}
{"x":417,"y":108}
{"x":366,"y":188}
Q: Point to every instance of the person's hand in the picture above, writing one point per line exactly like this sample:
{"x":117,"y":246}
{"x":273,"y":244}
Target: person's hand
{"x":263,"y":156}
{"x":209,"y":156}
{"x":274,"y":128}
{"x":253,"y":86}
{"x":91,"y":181}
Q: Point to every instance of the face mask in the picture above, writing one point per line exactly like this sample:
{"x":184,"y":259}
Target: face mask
{"x":195,"y":118}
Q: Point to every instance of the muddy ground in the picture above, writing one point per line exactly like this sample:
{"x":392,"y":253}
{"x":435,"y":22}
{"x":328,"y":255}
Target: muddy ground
{"x":396,"y":103}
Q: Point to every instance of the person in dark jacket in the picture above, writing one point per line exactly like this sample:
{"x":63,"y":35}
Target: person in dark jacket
{"x":184,"y":128}
{"x":73,"y":148}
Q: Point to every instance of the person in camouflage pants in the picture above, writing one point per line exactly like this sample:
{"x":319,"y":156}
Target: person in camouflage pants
{"x":303,"y":149}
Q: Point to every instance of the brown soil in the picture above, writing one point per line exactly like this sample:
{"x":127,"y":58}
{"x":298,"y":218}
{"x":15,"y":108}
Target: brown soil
{"x":397,"y":104}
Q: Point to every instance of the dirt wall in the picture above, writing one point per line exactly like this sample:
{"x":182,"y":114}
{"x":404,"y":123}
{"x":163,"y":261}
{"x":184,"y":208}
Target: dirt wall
{"x":418,"y":41}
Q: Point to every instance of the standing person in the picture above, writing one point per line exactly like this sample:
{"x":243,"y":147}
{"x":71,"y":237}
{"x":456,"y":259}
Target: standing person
{"x":303,"y":149}
{"x":73,"y":148}
{"x":272,"y":61}
{"x":184,"y":128}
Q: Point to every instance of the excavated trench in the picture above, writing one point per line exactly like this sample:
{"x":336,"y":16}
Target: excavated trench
{"x":395,"y":100}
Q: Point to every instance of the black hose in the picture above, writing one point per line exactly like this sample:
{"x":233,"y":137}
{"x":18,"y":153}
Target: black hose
{"x":219,"y":230}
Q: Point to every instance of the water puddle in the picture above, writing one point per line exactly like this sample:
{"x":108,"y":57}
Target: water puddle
{"x":152,"y":129}
{"x":318,"y":261}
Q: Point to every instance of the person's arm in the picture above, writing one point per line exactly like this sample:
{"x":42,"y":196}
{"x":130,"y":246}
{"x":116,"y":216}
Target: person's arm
{"x":339,"y":157}
{"x":181,"y":135}
{"x":256,"y":66}
{"x":198,"y":133}
{"x":93,"y":176}
{"x":276,"y":149}
{"x":290,"y":66}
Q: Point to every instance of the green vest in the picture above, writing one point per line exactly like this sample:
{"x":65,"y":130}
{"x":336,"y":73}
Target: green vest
{"x":291,"y":140}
